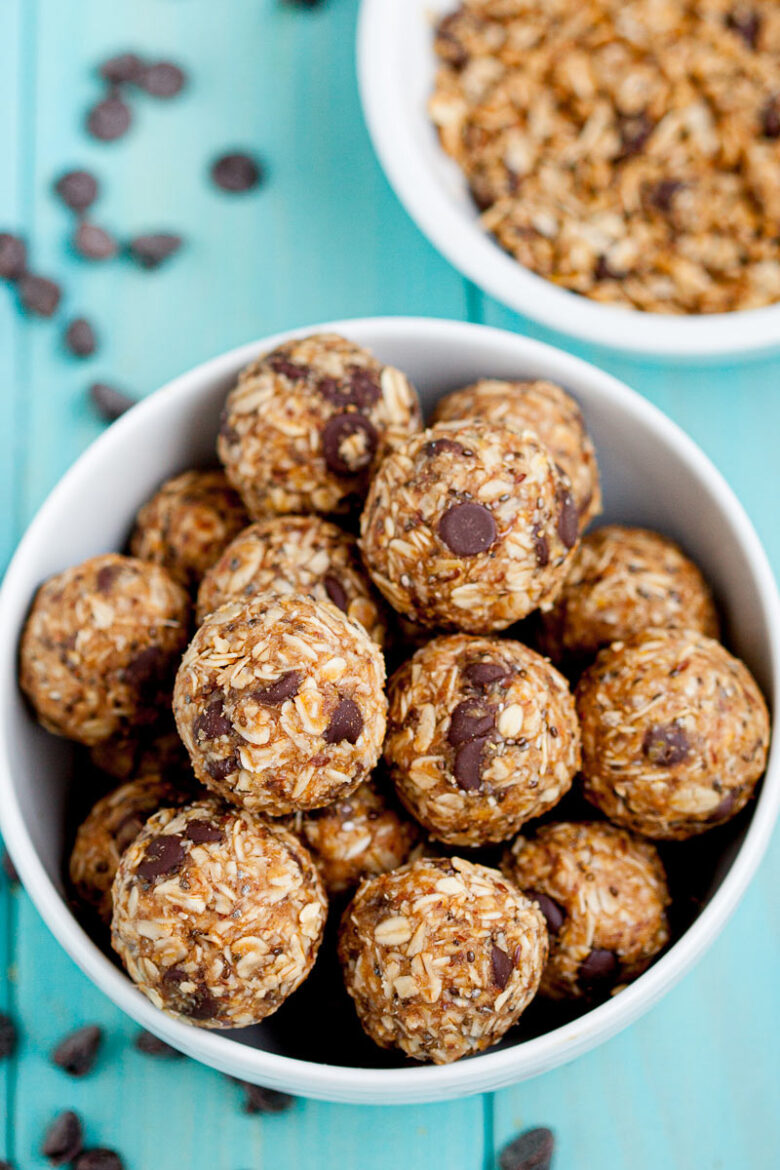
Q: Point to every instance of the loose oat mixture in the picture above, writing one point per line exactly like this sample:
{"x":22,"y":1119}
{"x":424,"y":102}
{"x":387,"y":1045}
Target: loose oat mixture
{"x":628,"y":150}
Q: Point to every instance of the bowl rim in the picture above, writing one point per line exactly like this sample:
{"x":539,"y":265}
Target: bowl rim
{"x":473,"y":252}
{"x":493,"y":1069}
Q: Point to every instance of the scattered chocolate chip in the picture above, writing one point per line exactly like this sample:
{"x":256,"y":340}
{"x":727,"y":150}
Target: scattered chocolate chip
{"x":110,"y":402}
{"x":144,"y":672}
{"x":203,"y":832}
{"x":106,"y":577}
{"x":568,"y":518}
{"x":746,"y":24}
{"x":8,"y":1036}
{"x":109,"y":119}
{"x":280,"y":365}
{"x":467,"y":767}
{"x":346,"y":723}
{"x":76,"y":1054}
{"x":448,"y":44}
{"x":634,"y":132}
{"x":283,"y":688}
{"x":226,"y":431}
{"x":541,"y":547}
{"x":335,"y":591}
{"x":99,"y":1158}
{"x":471,"y":719}
{"x":127,"y":830}
{"x":122,"y":69}
{"x":39,"y":295}
{"x":532,"y":1150}
{"x":78,"y":190}
{"x":364,"y":387}
{"x":152,"y":1045}
{"x":442,"y":447}
{"x":554,"y":915}
{"x":260,"y":1100}
{"x":164,"y":854}
{"x":94,"y":243}
{"x":221,"y":769}
{"x":13,"y":256}
{"x":467,"y":529}
{"x":724,"y":810}
{"x":151,"y":250}
{"x":484,"y":674}
{"x":9,"y":869}
{"x":64,"y":1139}
{"x":163,"y":79}
{"x":80,"y":338}
{"x":665,"y":745}
{"x":661,"y":195}
{"x":201,"y":1005}
{"x":336,"y":436}
{"x":213,"y":722}
{"x":770,"y":118}
{"x":501,"y":966}
{"x":598,"y":969}
{"x":603,"y":270}
{"x":236,"y":172}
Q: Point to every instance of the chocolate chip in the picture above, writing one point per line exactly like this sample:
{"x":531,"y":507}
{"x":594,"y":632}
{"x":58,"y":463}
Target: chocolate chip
{"x":109,"y":402}
{"x":665,"y":745}
{"x":554,"y":915}
{"x":484,"y":674}
{"x":94,"y":243}
{"x":448,"y":45}
{"x":8,"y":1036}
{"x":78,"y":190}
{"x":145,"y":670}
{"x":163,"y":79}
{"x":467,"y":529}
{"x":64,"y":1139}
{"x":124,"y":68}
{"x":127,"y":830}
{"x":283,"y":688}
{"x":723,"y":811}
{"x":221,"y":769}
{"x":634,"y":132}
{"x":152,"y":1045}
{"x":39,"y":295}
{"x":80,"y":338}
{"x":260,"y":1100}
{"x":661,"y":194}
{"x":532,"y":1150}
{"x":163,"y":855}
{"x":201,"y":1005}
{"x":467,"y":767}
{"x":99,"y":1158}
{"x":203,"y":832}
{"x":335,"y":591}
{"x":280,"y":365}
{"x":109,"y":119}
{"x":364,"y":388}
{"x":236,"y":172}
{"x":346,"y":723}
{"x":106,"y":577}
{"x":442,"y":447}
{"x":337,"y":432}
{"x":13,"y":256}
{"x":598,"y":969}
{"x":471,"y":719}
{"x":603,"y":270}
{"x":76,"y":1054}
{"x":746,"y":24}
{"x":770,"y":118}
{"x":213,"y":722}
{"x":153,"y":249}
{"x":501,"y":966}
{"x":541,"y":547}
{"x":568,"y":518}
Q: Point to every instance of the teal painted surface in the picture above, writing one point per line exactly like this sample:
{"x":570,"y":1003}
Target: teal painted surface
{"x":694,"y":1085}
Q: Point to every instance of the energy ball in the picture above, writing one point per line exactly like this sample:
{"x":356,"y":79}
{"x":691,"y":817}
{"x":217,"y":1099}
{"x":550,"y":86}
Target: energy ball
{"x":603,"y":893}
{"x":140,"y":751}
{"x":295,"y":554}
{"x":101,"y":645}
{"x":307,"y":425}
{"x":482,"y":736}
{"x":441,"y":957}
{"x":542,"y":407}
{"x":280,"y":703}
{"x":674,"y":733}
{"x":360,"y":836}
{"x":218,"y":914}
{"x":621,"y":581}
{"x":187,"y":524}
{"x":113,"y":824}
{"x":469,"y":526}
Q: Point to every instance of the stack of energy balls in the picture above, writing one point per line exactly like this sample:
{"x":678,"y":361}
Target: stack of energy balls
{"x":293,"y":773}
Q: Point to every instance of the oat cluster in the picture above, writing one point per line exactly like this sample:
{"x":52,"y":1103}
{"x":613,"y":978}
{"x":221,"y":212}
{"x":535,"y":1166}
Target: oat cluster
{"x":628,"y":150}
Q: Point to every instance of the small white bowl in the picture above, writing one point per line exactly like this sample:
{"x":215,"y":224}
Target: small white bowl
{"x":396,"y":68}
{"x":653,"y":475}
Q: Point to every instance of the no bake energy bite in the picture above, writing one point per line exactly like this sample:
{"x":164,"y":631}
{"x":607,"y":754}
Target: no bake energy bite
{"x":469,"y":526}
{"x":280,"y":703}
{"x":306,"y":426}
{"x":674,"y":733}
{"x":441,"y":957}
{"x":218,"y":914}
{"x":603,"y":893}
{"x":482,"y":736}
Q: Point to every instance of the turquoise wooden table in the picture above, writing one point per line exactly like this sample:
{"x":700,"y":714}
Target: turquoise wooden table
{"x":692,"y":1086}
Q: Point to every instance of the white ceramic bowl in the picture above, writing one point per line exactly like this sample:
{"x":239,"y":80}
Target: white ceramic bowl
{"x":652,"y":475}
{"x":396,"y":68}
